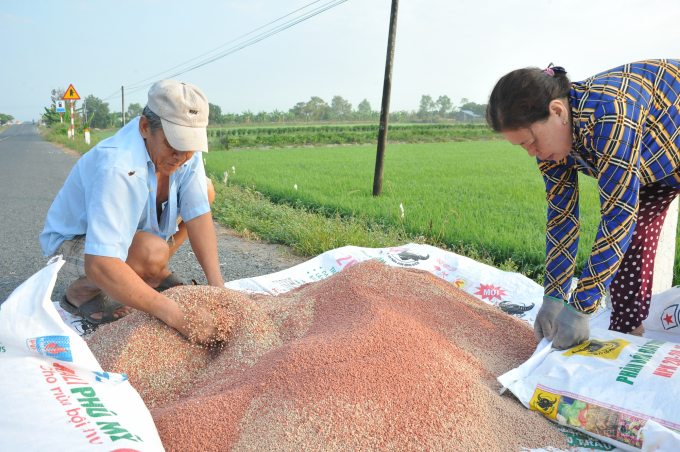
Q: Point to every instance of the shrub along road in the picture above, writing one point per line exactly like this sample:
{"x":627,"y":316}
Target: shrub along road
{"x":32,"y":174}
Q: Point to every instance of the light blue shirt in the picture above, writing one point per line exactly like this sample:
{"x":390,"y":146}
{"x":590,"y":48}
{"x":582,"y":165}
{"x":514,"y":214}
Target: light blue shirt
{"x":111,"y":193}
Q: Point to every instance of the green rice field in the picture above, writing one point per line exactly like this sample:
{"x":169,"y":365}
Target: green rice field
{"x":486,"y":193}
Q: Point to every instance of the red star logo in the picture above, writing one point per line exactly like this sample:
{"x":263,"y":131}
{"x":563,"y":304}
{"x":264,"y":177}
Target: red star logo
{"x":668,"y":319}
{"x":490,"y":292}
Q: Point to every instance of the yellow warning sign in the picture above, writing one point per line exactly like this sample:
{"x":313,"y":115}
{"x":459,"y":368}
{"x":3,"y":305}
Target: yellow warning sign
{"x":71,"y":94}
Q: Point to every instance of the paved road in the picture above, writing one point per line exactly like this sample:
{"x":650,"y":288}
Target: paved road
{"x":32,"y":173}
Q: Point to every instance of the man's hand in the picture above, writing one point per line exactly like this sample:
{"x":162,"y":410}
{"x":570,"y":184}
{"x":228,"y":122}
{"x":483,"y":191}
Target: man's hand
{"x":545,"y":318}
{"x":119,"y":281}
{"x":571,"y":327}
{"x":198,"y":327}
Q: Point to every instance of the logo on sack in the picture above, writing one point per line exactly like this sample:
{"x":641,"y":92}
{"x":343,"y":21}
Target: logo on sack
{"x":489,"y":292}
{"x":407,"y":258}
{"x":517,"y":309}
{"x":669,"y":317}
{"x":58,"y":347}
{"x":544,"y":402}
{"x":460,"y":282}
{"x":599,"y":349}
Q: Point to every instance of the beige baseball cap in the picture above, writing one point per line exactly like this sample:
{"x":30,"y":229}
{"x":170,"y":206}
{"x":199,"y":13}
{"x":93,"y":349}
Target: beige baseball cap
{"x":183,"y":110}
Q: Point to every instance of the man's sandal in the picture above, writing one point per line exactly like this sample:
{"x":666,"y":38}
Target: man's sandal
{"x":99,"y":303}
{"x":172,"y":280}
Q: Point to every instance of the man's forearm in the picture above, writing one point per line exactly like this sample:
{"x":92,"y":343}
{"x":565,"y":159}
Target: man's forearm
{"x":203,"y":240}
{"x":121,"y":283}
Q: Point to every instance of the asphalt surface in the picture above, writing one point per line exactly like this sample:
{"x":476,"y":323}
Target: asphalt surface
{"x":32,"y":173}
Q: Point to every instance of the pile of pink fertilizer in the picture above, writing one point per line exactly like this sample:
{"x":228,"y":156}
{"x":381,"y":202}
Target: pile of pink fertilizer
{"x":373,"y":358}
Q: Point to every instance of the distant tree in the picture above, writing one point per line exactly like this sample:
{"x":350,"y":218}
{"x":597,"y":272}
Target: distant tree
{"x":228,"y":118}
{"x":50,"y":116}
{"x":277,"y":115}
{"x":262,"y":116}
{"x":340,"y":107}
{"x":427,"y":105}
{"x":133,"y":111}
{"x":444,"y":105}
{"x":364,"y":107}
{"x":247,"y":115}
{"x":98,"y":110}
{"x":214,"y":114}
{"x":5,"y":118}
{"x":317,"y":109}
{"x":114,"y":119}
{"x":478,"y":109}
{"x":298,"y":110}
{"x":57,"y":94}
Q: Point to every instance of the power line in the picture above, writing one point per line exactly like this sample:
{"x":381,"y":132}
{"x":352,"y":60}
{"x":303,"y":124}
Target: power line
{"x":219,"y":47}
{"x":303,"y":17}
{"x":249,"y":42}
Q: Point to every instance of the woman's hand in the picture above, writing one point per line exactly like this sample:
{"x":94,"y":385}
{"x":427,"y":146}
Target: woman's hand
{"x":570,"y":328}
{"x":545,"y":318}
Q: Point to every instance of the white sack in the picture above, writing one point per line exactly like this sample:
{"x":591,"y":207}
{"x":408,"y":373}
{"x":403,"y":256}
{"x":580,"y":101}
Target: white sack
{"x":53,"y":393}
{"x":658,"y":438}
{"x":663,"y":322}
{"x":608,"y":387}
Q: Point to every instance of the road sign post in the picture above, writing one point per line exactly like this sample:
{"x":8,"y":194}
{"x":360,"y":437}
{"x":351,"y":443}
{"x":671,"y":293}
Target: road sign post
{"x":61,"y":108}
{"x":71,"y":94}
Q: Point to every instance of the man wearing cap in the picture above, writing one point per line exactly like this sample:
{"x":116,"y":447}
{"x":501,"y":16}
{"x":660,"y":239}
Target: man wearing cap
{"x":128,"y":204}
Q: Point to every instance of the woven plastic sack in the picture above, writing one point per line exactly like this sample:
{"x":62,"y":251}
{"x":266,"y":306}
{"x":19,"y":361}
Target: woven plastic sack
{"x":609,"y":388}
{"x":53,"y":393}
{"x":663,"y":321}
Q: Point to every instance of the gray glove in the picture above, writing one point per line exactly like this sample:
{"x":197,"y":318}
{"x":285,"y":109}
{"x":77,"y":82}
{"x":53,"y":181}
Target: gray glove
{"x":545,"y":318}
{"x":570,"y":328}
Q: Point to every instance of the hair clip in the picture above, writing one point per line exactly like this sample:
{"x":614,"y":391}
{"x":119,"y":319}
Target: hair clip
{"x":549,"y":71}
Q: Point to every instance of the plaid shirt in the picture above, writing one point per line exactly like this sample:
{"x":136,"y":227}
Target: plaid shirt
{"x":626,"y":134}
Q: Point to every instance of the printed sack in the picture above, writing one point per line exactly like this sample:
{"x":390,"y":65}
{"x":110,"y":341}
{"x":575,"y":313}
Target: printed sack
{"x":53,"y":393}
{"x":609,"y":387}
{"x":663,"y":321}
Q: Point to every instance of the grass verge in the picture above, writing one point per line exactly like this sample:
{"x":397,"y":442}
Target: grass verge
{"x":310,"y":233}
{"x":58,"y":133}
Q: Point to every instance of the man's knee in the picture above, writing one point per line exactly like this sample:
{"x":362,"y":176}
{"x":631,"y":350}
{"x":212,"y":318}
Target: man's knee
{"x":148,"y":254}
{"x":211,"y":191}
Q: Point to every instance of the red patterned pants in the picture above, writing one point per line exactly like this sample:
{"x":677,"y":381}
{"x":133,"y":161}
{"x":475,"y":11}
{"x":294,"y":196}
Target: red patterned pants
{"x":631,"y":288}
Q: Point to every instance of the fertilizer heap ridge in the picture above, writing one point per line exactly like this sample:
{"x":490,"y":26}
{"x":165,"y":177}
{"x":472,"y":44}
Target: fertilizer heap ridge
{"x":372,"y":358}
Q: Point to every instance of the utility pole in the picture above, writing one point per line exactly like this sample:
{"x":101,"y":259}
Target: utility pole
{"x":385,"y":108}
{"x":122,"y":90}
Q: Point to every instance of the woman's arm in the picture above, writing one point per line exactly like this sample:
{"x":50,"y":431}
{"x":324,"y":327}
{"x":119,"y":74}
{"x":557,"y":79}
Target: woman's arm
{"x":614,"y":136}
{"x":563,"y":227}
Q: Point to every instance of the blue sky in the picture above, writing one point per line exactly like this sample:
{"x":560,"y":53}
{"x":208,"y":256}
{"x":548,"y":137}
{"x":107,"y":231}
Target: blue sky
{"x":451,"y":47}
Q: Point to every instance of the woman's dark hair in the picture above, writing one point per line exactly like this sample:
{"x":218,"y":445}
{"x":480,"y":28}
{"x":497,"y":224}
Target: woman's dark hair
{"x":521,"y":97}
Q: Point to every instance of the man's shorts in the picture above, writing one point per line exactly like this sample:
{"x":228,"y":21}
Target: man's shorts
{"x":73,"y":252}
